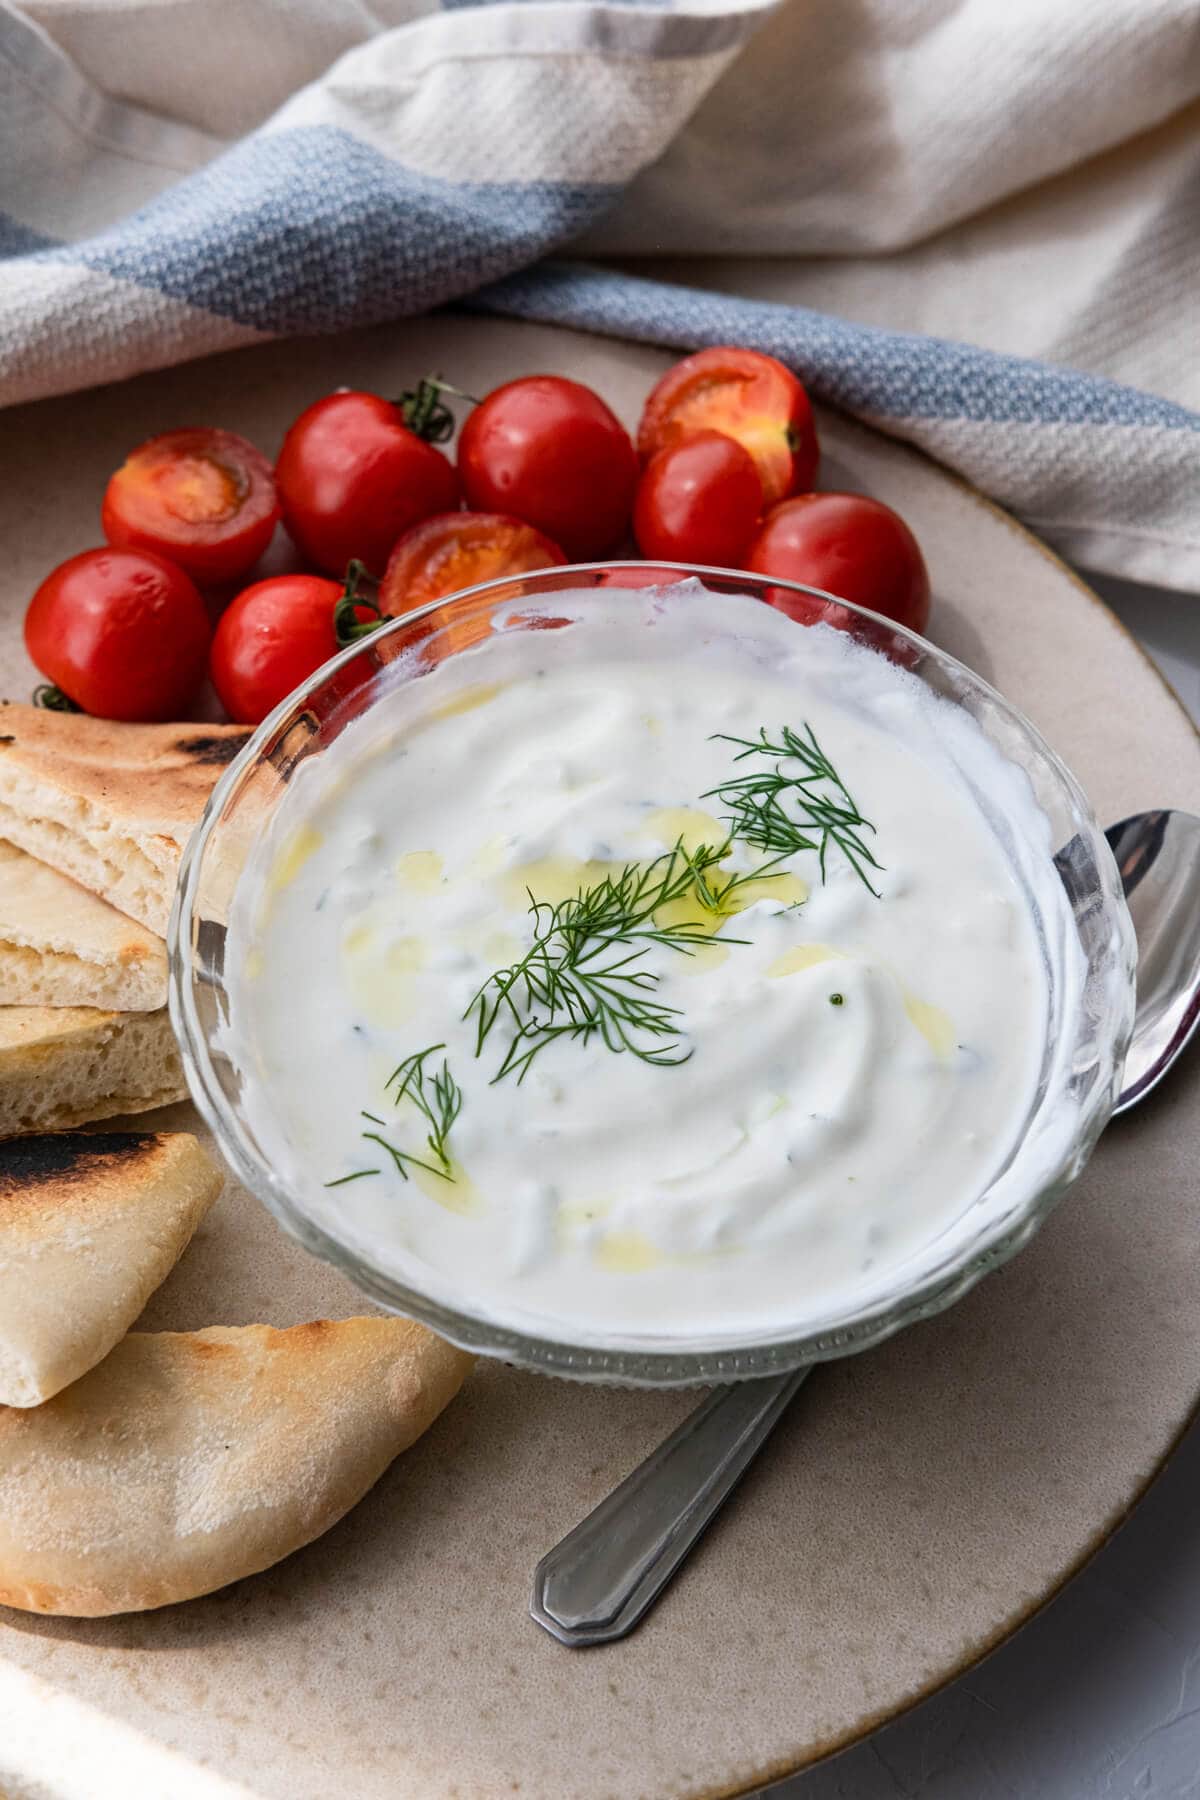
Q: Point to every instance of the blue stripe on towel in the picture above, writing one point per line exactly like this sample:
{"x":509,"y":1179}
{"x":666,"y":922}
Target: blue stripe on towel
{"x":310,"y":229}
{"x":20,"y":240}
{"x":874,"y":373}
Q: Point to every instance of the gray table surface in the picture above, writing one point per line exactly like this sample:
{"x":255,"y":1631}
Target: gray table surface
{"x":1098,"y":1698}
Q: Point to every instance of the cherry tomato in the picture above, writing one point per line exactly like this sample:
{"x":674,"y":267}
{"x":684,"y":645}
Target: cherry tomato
{"x":856,"y":548}
{"x":698,"y":501}
{"x":748,"y":396}
{"x":271,"y":638}
{"x":550,"y":452}
{"x":352,"y":477}
{"x":649,"y":575}
{"x":123,"y":633}
{"x":202,"y":497}
{"x":455,"y":550}
{"x":444,"y":555}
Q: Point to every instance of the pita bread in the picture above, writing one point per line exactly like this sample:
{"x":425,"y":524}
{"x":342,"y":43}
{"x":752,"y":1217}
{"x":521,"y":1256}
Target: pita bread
{"x":186,"y":1460}
{"x":62,"y":1066}
{"x":112,"y":805}
{"x":90,"y":1225}
{"x":62,"y":946}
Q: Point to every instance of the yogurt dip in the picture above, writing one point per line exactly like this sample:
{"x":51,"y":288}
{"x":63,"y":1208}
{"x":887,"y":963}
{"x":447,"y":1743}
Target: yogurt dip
{"x":549,"y":1018}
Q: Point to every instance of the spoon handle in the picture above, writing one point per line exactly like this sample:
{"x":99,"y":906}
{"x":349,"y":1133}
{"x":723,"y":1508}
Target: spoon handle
{"x":600,"y":1580}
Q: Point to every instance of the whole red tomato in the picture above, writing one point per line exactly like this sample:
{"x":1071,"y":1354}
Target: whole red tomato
{"x":550,"y":452}
{"x":352,"y":477}
{"x":202,"y":497}
{"x":855,"y":548}
{"x":698,"y":501}
{"x":123,"y":633}
{"x":272,"y":637}
{"x":748,"y":396}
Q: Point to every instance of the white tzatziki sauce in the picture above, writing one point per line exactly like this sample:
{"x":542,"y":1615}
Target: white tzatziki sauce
{"x":841,"y":1083}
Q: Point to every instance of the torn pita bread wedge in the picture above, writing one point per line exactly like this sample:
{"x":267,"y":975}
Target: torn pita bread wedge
{"x":112,"y":805}
{"x":63,"y":946}
{"x":90,"y":1224}
{"x":186,"y":1460}
{"x":62,"y":1066}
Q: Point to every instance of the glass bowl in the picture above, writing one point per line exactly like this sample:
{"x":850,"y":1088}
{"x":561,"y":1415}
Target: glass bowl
{"x":1087,"y":1028}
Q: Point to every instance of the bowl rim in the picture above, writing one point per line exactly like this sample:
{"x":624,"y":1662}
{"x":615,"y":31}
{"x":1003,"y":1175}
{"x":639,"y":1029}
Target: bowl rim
{"x":631,"y":1362}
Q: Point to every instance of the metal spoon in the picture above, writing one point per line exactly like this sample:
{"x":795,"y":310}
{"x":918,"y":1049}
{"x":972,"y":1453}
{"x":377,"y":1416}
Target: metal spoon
{"x":604,"y":1576}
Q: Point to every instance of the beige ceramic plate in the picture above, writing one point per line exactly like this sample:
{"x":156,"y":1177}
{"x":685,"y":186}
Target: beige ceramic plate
{"x":920,"y":1501}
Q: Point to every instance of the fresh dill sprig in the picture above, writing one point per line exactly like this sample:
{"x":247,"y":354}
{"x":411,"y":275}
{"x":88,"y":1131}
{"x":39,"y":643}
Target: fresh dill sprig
{"x":584,"y":975}
{"x":404,"y":1159}
{"x":437,"y":1096}
{"x":821,"y":808}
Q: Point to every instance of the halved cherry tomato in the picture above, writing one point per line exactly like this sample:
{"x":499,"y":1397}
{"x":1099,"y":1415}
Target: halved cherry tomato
{"x":201,"y":497}
{"x":123,"y":633}
{"x":851,"y":546}
{"x":698,"y":501}
{"x":455,"y":550}
{"x":549,"y":451}
{"x":271,"y":638}
{"x":631,"y":576}
{"x":445,"y":554}
{"x":747,"y":395}
{"x":352,"y":478}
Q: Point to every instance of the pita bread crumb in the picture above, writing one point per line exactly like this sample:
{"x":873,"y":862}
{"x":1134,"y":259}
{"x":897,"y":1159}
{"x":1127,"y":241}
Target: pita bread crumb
{"x":64,"y":1066}
{"x":63,"y":946}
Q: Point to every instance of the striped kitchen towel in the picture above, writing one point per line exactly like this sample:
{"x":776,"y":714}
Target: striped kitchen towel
{"x":199,"y":174}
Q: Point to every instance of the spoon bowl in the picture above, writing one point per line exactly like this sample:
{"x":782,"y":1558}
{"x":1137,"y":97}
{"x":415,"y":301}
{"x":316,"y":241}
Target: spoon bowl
{"x":1158,"y":856}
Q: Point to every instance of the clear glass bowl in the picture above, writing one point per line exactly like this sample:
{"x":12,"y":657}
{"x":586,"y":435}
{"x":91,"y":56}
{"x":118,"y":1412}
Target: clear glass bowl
{"x":1086,"y":1038}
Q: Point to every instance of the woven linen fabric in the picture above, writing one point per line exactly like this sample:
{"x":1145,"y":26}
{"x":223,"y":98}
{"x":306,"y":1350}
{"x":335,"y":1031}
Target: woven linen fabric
{"x":182,"y":176}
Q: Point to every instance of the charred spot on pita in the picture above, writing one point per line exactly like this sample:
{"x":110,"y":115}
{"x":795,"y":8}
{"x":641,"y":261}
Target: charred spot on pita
{"x":68,"y":1155}
{"x":213,"y":750}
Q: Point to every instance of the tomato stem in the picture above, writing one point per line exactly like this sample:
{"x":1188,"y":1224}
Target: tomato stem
{"x":347,"y":626}
{"x":426,"y":413}
{"x":53,"y":699}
